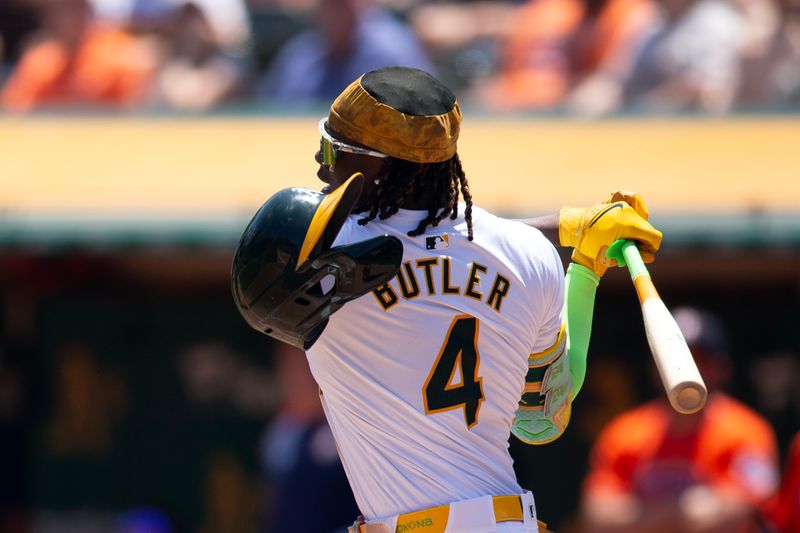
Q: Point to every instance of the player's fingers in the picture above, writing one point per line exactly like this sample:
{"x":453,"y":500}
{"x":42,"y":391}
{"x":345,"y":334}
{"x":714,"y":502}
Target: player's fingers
{"x":647,"y":256}
{"x":642,"y":231}
{"x":633,"y":199}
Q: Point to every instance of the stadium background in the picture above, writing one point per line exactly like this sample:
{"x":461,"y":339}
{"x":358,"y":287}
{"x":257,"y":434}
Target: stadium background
{"x":128,"y":380}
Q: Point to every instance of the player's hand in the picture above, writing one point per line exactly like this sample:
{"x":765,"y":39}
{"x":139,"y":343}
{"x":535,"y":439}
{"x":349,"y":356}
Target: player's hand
{"x":600,"y":265}
{"x":591,"y":230}
{"x":633,"y":199}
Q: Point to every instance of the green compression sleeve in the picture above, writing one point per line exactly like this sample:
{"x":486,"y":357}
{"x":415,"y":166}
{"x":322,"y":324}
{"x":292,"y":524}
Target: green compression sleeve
{"x":580,"y":288}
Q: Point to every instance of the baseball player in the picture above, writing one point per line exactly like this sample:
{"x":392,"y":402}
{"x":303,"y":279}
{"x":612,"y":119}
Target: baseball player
{"x":433,"y":328}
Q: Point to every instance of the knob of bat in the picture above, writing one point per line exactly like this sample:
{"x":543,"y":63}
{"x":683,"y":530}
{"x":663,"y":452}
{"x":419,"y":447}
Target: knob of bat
{"x":690,"y":399}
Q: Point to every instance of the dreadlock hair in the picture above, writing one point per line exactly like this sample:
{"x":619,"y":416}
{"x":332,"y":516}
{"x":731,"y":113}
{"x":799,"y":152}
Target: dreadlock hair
{"x":441,"y":183}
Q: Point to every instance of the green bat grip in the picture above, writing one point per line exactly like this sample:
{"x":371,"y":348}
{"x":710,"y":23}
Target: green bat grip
{"x":627,"y":254}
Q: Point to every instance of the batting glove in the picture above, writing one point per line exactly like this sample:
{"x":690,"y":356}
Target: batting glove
{"x":590,"y":230}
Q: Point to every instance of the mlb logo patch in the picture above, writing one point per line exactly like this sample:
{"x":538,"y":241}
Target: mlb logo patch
{"x":437,"y":242}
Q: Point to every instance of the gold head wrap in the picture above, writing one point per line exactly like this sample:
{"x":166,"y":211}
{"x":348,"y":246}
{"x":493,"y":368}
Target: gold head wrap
{"x":402,"y":112}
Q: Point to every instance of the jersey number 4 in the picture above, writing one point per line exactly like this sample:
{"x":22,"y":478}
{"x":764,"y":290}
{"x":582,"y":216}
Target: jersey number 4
{"x":443,"y":389}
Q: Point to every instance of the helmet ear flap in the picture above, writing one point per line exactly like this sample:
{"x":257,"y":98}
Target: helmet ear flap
{"x":368,"y":264}
{"x":328,"y":220}
{"x":296,"y":227}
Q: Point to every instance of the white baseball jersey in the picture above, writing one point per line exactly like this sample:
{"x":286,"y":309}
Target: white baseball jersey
{"x":420,"y":378}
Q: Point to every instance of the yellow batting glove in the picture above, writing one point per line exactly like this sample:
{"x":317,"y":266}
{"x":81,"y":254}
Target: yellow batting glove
{"x":633,"y":199}
{"x":636,"y":201}
{"x":591,"y":230}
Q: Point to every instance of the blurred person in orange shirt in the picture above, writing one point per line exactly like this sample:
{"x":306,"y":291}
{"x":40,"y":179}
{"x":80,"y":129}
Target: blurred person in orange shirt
{"x":654,"y":470}
{"x":786,"y":515}
{"x":78,"y":62}
{"x":558,"y":47}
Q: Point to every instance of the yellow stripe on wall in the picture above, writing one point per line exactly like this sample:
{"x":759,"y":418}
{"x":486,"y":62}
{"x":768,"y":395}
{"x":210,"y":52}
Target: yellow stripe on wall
{"x":229,"y":165}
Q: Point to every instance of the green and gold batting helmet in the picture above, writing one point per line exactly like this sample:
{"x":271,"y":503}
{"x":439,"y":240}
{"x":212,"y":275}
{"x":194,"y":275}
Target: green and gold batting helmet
{"x":287,"y":279}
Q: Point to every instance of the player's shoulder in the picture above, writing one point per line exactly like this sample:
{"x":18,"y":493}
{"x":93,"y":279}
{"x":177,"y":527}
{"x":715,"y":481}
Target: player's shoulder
{"x":351,"y":231}
{"x":509,"y":241}
{"x":736,"y":418}
{"x":517,"y":243}
{"x":521,"y":236}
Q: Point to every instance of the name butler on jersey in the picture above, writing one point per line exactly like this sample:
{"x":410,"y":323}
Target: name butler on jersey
{"x":434,"y":276}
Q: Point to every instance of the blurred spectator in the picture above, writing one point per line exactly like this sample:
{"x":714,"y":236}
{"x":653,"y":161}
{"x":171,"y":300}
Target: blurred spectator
{"x":655,"y":470}
{"x":283,"y":4}
{"x":78,"y":63}
{"x":691,"y":62}
{"x":559,"y":46}
{"x":604,"y":54}
{"x":142,"y":520}
{"x":228,"y":18}
{"x":215,"y":376}
{"x":611,"y":391}
{"x":17,"y":23}
{"x":787,"y":512}
{"x":462,"y":37}
{"x":88,"y":401}
{"x":230,"y":501}
{"x":300,"y":459}
{"x":771,"y":68}
{"x":775,"y":378}
{"x":272,"y":25}
{"x":194,"y":74}
{"x":350,"y":37}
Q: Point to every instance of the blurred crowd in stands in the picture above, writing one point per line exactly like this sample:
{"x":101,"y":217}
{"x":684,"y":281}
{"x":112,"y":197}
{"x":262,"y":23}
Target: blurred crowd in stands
{"x":582,"y":57}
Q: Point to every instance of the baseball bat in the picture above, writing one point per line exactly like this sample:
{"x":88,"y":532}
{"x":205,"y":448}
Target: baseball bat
{"x":682,"y":381}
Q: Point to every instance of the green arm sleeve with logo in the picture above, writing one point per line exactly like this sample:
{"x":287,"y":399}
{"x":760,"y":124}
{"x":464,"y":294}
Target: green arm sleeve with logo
{"x":556,"y":375}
